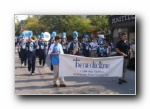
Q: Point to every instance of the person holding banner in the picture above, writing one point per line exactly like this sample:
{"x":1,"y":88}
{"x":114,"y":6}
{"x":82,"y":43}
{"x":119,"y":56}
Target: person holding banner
{"x":122,"y":49}
{"x":54,"y":52}
{"x":31,"y":54}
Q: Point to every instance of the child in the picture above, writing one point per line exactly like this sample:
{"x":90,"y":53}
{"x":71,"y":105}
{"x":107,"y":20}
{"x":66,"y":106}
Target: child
{"x":54,"y":52}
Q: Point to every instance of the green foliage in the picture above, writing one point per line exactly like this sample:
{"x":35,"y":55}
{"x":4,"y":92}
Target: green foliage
{"x":100,"y":22}
{"x":16,"y":26}
{"x":93,"y":24}
{"x":34,"y":25}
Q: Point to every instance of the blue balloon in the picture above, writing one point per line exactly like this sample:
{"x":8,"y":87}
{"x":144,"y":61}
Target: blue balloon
{"x":54,"y":34}
{"x":63,"y":34}
{"x":75,"y":34}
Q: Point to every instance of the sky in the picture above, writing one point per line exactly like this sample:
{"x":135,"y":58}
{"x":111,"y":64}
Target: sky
{"x":21,"y":17}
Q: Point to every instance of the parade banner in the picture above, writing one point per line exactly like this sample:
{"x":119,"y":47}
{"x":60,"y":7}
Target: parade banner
{"x":72,"y":65}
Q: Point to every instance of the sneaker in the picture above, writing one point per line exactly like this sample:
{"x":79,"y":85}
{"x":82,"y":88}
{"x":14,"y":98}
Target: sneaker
{"x":32,"y":74}
{"x":29,"y":72}
{"x":62,"y":85}
{"x":22,"y":65}
{"x":55,"y":85}
{"x":120,"y":81}
{"x":124,"y":81}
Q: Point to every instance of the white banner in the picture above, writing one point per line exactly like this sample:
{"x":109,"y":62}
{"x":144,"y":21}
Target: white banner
{"x":72,"y":65}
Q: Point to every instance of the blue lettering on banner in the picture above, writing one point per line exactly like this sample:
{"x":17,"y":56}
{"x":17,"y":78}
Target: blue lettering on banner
{"x":91,"y":65}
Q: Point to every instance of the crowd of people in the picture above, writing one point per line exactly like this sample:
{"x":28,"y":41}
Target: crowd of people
{"x":30,"y":49}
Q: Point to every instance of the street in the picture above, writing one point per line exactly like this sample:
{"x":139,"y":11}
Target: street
{"x":42,"y":83}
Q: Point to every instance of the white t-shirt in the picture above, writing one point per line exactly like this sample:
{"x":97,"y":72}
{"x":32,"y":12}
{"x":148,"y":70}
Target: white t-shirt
{"x":59,"y":46}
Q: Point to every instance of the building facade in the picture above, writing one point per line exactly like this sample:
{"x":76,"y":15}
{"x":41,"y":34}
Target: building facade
{"x":122,"y":23}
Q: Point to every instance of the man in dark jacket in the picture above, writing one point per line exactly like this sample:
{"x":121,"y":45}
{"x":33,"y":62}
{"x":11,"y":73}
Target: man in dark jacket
{"x":123,"y":49}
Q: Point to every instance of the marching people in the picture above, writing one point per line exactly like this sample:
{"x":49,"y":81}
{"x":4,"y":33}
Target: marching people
{"x":132,"y":55}
{"x":31,"y":54}
{"x":100,"y":50}
{"x":109,"y":49}
{"x":68,"y":47}
{"x":93,"y":48}
{"x":85,"y":46}
{"x":37,"y":43}
{"x":18,"y":45}
{"x":75,"y":45}
{"x":112,"y":46}
{"x":123,"y":49}
{"x":54,"y":51}
{"x":64,"y":43}
{"x":42,"y":51}
{"x":52,"y":41}
{"x":23,"y":53}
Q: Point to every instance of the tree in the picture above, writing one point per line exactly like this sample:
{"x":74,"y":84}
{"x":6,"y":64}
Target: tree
{"x":101,"y":23}
{"x":34,"y":25}
{"x":77,"y":23}
{"x":16,"y":26}
{"x":66,"y":23}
